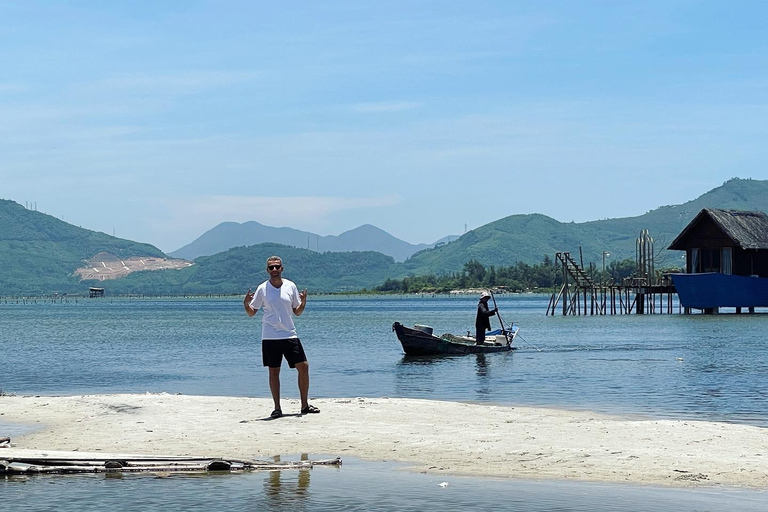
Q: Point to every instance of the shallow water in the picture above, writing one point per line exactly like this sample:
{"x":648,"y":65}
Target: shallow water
{"x":673,"y":366}
{"x":357,"y":485}
{"x":666,"y":366}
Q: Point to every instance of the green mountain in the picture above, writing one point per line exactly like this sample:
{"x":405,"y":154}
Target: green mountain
{"x":527,"y":238}
{"x":240,"y":268}
{"x":39,"y":253}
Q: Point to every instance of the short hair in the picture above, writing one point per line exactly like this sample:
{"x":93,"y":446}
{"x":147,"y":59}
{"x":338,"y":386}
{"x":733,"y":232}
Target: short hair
{"x":275,"y":258}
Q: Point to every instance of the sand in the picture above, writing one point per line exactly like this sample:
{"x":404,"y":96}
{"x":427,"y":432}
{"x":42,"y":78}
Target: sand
{"x":430,"y":436}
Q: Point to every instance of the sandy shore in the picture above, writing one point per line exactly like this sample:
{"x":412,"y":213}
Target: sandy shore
{"x":432,"y":436}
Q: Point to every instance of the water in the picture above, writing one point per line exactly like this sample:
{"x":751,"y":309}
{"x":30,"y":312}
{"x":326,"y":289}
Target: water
{"x":356,"y":486}
{"x":660,"y":366}
{"x":666,"y":366}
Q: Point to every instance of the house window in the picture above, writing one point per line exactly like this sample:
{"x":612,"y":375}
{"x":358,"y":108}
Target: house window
{"x":726,"y":258}
{"x":710,"y":260}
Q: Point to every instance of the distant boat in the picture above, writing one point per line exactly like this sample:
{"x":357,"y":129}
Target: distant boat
{"x":419,"y":341}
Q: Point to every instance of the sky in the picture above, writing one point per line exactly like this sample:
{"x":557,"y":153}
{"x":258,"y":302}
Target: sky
{"x":156,"y":121}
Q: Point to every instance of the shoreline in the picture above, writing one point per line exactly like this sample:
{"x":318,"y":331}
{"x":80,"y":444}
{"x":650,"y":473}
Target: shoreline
{"x":450,"y":438}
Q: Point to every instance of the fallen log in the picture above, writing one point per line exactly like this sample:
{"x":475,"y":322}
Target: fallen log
{"x":17,"y":461}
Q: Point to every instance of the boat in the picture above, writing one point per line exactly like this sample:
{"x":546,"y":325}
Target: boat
{"x":420,"y":341}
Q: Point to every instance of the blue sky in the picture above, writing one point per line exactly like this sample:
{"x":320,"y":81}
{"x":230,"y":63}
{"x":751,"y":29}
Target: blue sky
{"x":156,"y":121}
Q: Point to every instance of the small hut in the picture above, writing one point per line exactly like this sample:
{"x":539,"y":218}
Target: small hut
{"x":726,"y":260}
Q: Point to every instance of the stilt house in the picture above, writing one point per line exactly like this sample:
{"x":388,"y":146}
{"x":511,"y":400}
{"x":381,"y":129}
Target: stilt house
{"x":726,"y":260}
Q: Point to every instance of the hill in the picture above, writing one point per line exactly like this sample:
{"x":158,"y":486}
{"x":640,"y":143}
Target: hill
{"x":363,"y":238}
{"x":240,"y":268}
{"x":528,"y":238}
{"x":40,"y":253}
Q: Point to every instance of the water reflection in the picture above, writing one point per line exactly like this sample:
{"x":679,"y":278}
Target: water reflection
{"x":287,"y":489}
{"x":483,"y":386}
{"x":426,"y":360}
{"x":482,"y":365}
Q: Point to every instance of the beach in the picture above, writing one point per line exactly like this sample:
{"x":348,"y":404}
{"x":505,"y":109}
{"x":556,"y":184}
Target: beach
{"x":437,"y":437}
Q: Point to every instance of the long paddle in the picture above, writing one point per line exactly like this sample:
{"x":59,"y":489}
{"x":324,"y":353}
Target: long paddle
{"x":504,"y":331}
{"x":502,"y":324}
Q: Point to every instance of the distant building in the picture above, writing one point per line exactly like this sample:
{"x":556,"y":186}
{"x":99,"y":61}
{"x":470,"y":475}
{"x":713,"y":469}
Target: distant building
{"x":726,"y":253}
{"x":95,"y":292}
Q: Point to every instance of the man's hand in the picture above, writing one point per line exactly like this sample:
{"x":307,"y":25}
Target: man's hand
{"x":247,"y":303}
{"x":303,"y":298}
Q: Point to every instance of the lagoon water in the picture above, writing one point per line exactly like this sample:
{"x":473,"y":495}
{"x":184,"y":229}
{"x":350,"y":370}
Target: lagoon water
{"x":656,"y":366}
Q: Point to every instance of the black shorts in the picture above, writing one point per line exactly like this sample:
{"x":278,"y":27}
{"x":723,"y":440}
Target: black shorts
{"x":272,"y":352}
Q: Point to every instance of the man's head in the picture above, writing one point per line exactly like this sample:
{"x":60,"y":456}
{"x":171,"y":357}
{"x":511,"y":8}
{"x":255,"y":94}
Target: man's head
{"x":274,"y":265}
{"x":485,"y":295}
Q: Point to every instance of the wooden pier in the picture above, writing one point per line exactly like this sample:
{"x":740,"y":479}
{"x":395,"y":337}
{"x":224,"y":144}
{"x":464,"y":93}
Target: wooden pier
{"x":581,"y":295}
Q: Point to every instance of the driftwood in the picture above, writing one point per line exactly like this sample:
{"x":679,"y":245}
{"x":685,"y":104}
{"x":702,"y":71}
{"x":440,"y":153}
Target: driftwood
{"x":35,"y":461}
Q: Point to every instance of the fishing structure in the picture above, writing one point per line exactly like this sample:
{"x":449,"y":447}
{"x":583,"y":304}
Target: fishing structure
{"x":645,"y":293}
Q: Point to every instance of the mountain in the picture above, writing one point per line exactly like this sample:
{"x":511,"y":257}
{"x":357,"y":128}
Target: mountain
{"x":40,"y":253}
{"x":528,"y":238}
{"x":364,"y":238}
{"x":240,"y":268}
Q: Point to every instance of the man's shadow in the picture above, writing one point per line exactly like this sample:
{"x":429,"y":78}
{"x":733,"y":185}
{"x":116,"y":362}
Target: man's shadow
{"x":270,"y":418}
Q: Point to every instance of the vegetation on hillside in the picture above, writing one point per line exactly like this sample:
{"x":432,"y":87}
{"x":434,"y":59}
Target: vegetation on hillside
{"x":521,"y":277}
{"x":527,"y":238}
{"x":39,"y":253}
{"x":240,"y":268}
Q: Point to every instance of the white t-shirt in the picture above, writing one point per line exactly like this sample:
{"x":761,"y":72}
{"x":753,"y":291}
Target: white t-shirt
{"x":277,"y":306}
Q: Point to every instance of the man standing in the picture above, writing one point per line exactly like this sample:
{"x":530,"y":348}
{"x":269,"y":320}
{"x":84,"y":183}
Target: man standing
{"x":280,"y":299}
{"x":483,"y":318}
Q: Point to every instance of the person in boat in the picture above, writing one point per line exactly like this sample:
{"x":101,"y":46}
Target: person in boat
{"x":280,"y":299}
{"x":483,"y":318}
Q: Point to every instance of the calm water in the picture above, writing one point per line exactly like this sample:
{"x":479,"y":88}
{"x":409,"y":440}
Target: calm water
{"x":670,"y":366}
{"x":355,"y":486}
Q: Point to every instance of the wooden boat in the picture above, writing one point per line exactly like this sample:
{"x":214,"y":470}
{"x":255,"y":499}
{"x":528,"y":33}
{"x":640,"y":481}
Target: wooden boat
{"x":419,"y":341}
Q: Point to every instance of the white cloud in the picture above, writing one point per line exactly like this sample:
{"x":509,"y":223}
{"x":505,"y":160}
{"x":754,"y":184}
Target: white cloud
{"x":285,"y":210}
{"x":384,"y":106}
{"x":187,"y":219}
{"x":176,"y":83}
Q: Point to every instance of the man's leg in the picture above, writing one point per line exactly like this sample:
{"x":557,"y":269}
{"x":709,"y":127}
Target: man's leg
{"x":274,"y":385}
{"x":303,"y":369}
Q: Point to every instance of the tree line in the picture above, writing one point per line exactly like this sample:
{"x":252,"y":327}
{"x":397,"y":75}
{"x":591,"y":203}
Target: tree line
{"x":520,"y":277}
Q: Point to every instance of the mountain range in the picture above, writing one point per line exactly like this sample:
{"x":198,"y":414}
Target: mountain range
{"x":363,"y":238}
{"x":39,"y":253}
{"x":528,"y":238}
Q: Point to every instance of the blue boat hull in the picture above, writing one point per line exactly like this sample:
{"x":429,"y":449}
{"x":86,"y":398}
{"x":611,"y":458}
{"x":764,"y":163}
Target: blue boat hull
{"x":713,"y":290}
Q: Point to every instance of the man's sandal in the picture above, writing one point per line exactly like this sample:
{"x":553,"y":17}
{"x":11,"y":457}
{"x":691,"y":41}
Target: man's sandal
{"x":276,"y":414}
{"x":310,"y":409}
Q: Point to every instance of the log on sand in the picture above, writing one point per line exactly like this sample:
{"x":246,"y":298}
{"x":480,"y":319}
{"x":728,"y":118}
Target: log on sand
{"x":16,"y":461}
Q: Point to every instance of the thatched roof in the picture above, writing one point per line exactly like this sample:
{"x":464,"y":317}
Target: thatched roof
{"x":748,"y":230}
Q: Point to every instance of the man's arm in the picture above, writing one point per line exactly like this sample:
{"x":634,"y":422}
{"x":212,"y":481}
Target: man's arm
{"x":486,"y":311}
{"x":247,"y":303}
{"x":298,"y":310}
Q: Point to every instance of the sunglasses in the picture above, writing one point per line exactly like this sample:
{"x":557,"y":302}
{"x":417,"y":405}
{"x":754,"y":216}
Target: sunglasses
{"x":274,"y":267}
